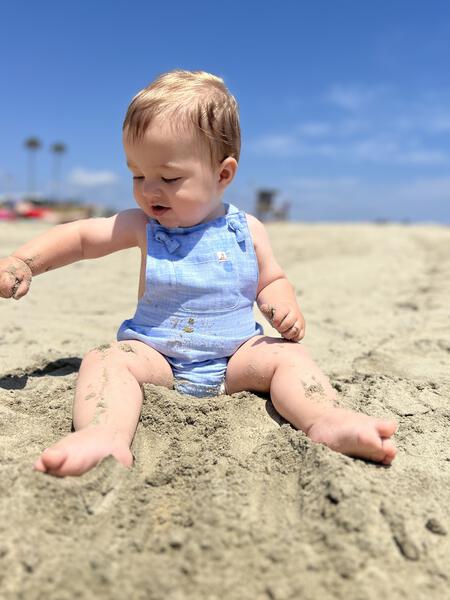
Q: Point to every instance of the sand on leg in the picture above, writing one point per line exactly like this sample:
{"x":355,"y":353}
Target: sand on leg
{"x":107,"y":406}
{"x":303,"y":395}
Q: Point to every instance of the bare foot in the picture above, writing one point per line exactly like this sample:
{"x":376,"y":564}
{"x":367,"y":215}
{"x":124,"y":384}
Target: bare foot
{"x":355,"y":434}
{"x":82,"y":450}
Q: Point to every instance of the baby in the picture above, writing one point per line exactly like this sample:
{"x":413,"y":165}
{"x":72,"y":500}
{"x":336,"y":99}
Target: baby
{"x":204,"y":264}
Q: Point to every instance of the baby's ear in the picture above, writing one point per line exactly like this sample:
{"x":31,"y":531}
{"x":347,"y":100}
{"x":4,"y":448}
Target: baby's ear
{"x":227,"y":170}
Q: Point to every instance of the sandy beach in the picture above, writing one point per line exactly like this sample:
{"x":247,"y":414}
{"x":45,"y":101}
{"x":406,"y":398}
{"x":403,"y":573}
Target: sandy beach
{"x":227,"y":501}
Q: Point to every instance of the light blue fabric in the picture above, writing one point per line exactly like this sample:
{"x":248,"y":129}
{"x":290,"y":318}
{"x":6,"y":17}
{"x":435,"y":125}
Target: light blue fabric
{"x":196,"y":310}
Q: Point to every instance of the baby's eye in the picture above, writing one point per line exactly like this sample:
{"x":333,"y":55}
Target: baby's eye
{"x":140,"y":177}
{"x":170,"y":180}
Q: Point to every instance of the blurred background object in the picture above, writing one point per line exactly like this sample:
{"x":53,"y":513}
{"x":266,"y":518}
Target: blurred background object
{"x":54,"y":209}
{"x":266,"y":209}
{"x":58,"y":150}
{"x":32,"y":144}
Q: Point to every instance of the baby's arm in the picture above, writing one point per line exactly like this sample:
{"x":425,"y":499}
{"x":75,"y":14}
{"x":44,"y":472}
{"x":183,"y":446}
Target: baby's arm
{"x":276,"y":297}
{"x":68,"y":243}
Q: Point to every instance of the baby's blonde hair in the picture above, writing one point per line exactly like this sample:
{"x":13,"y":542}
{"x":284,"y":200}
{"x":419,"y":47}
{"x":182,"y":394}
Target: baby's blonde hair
{"x":195,"y":100}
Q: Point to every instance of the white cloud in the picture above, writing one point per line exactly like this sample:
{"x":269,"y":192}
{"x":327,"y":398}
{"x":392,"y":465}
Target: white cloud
{"x":351,"y":97}
{"x":390,"y":150}
{"x":287,"y":146}
{"x":423,"y":157}
{"x":431,"y":189}
{"x":353,"y":126}
{"x":279,"y":145}
{"x":351,"y":198}
{"x":440,"y":123}
{"x":324,"y":183}
{"x":376,"y":149}
{"x":379,"y":127}
{"x":426,"y":120}
{"x":425,"y":188}
{"x":314,"y":129}
{"x":339,"y":128}
{"x":85,"y":178}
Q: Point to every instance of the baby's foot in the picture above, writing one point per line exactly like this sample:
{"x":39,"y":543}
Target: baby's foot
{"x":82,"y":450}
{"x":355,"y":434}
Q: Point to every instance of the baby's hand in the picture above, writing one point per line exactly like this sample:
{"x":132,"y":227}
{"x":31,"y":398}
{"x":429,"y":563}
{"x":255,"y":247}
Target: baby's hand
{"x":287,"y":320}
{"x":15,"y":278}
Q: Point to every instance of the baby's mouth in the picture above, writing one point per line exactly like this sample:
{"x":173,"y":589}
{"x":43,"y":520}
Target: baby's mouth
{"x":159,"y":210}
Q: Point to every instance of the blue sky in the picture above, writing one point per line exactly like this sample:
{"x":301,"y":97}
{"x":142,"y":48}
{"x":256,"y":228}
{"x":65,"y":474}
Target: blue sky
{"x":345,"y":105}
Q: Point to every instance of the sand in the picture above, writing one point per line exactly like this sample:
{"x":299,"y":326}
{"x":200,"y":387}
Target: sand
{"x":226,"y":500}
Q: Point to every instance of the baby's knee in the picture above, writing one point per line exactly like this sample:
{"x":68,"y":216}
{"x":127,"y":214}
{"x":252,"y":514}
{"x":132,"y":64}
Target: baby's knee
{"x":106,"y":352}
{"x":290,"y":353}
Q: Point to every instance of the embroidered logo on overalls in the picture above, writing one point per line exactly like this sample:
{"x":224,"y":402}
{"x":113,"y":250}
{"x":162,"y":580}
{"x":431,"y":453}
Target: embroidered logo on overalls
{"x":222,"y":256}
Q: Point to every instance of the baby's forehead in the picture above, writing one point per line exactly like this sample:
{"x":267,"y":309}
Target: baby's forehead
{"x":167,"y":140}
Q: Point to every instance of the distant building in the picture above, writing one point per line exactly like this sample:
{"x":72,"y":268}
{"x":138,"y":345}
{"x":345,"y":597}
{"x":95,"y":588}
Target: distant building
{"x":267,"y":210}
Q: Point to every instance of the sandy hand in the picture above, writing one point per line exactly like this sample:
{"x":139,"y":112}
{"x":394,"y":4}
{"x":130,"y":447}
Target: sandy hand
{"x":15,"y":278}
{"x":286,"y":319}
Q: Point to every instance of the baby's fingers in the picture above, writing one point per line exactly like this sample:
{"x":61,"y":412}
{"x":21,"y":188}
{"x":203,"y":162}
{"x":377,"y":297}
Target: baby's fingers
{"x":7,"y":284}
{"x":275,"y":314}
{"x":287,"y":323}
{"x":21,"y":288}
{"x":13,"y":284}
{"x":15,"y":277}
{"x":291,"y":334}
{"x":295,"y":333}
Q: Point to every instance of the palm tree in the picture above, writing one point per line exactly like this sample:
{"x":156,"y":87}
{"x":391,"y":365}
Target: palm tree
{"x":32,"y":144}
{"x":58,"y":150}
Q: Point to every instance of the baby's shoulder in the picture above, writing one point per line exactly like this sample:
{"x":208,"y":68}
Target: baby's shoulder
{"x":137,"y":220}
{"x":256,"y":228}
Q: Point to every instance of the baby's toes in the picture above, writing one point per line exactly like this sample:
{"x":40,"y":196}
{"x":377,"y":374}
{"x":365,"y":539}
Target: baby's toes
{"x":386,"y":428}
{"x":51,"y":461}
{"x":39,"y":465}
{"x":370,"y":446}
{"x":124,"y":456}
{"x":390,"y":452}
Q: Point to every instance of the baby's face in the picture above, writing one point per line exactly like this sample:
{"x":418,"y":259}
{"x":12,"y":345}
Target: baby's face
{"x":173,"y":180}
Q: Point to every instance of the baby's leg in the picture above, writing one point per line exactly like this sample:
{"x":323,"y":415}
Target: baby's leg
{"x":107,"y":406}
{"x":302,"y":394}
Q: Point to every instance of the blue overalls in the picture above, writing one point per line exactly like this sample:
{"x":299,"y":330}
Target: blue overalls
{"x":196,"y":310}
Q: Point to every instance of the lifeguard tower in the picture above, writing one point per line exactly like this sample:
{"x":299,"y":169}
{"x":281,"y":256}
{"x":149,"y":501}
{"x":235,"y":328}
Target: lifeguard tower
{"x":266,"y":210}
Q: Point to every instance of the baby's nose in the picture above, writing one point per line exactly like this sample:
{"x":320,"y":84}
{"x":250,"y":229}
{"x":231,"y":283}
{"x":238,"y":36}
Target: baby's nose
{"x":151,"y":188}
